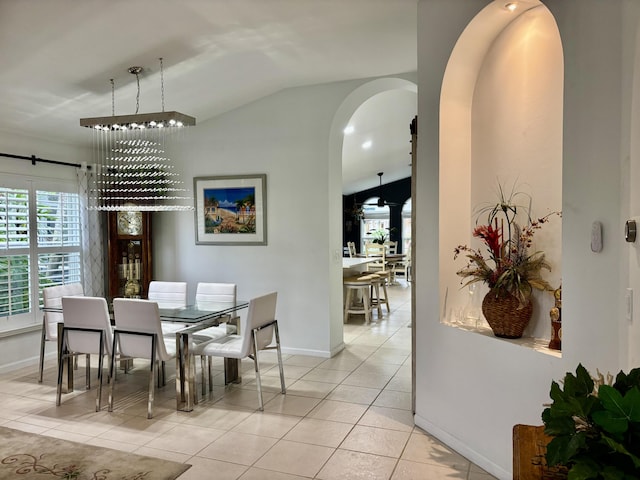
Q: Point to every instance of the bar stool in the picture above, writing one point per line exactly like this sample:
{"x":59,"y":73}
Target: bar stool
{"x":386,"y":275}
{"x":377,"y":282}
{"x":354,"y":285}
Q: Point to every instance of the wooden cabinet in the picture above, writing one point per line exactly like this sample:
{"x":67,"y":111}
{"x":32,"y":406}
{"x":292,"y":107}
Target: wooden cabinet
{"x":129,"y":254}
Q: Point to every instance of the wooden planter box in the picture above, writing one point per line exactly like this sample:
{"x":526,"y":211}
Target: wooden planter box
{"x":529,"y":448}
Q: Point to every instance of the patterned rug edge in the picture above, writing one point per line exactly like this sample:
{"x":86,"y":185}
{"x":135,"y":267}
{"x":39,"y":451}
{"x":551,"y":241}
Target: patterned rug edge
{"x":27,"y":455}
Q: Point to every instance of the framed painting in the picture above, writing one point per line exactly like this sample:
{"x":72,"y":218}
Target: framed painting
{"x":231,"y":210}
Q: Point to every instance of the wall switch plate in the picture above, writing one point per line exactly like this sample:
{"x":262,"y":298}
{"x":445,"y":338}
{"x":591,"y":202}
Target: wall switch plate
{"x":596,"y":237}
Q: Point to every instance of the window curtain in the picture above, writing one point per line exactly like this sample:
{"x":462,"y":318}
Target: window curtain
{"x":92,"y":238}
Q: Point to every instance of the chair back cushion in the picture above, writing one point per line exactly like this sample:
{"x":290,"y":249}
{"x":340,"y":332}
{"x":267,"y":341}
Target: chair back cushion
{"x":215,"y":293}
{"x":168,"y":294}
{"x":262,"y":310}
{"x":135,"y":315}
{"x":87,"y":312}
{"x":52,"y":298}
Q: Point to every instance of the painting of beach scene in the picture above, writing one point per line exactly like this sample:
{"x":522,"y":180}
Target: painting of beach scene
{"x":230,"y":210}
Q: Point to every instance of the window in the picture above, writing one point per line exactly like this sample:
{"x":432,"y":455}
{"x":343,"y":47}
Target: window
{"x":406,"y":226}
{"x":39,"y":247}
{"x":375,"y":218}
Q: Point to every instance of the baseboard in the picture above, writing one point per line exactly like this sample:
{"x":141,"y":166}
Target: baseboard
{"x":462,"y":448}
{"x":306,"y":352}
{"x":25,"y":362}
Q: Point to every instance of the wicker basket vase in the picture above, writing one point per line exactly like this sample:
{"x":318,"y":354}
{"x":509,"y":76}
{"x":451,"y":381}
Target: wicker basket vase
{"x":504,"y":315}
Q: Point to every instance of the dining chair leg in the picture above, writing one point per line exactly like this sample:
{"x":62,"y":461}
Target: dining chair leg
{"x":100,"y":362}
{"x":210,"y":371}
{"x":152,"y":372}
{"x":277,"y":332}
{"x":112,"y":371}
{"x":61,"y":358}
{"x":254,"y":339}
{"x":87,"y":372}
{"x":43,"y":339}
{"x":161,"y":374}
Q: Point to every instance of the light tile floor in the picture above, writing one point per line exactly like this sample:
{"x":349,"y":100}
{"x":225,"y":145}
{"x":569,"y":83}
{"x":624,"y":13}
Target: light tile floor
{"x":347,"y":417}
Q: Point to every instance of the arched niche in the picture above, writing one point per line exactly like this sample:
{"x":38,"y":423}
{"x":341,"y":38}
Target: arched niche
{"x":501,"y":122}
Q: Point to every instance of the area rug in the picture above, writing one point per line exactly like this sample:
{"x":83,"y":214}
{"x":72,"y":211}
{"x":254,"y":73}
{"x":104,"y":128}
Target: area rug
{"x":30,"y":456}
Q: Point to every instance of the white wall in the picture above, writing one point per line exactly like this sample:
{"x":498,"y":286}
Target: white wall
{"x":472,"y":389}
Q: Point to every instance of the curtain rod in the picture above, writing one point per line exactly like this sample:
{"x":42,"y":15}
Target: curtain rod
{"x":35,"y":159}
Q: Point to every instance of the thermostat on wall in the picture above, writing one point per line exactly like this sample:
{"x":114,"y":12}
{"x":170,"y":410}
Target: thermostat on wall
{"x":630,"y":230}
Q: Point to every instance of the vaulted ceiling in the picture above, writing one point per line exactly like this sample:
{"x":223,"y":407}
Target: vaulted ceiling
{"x":57,"y":58}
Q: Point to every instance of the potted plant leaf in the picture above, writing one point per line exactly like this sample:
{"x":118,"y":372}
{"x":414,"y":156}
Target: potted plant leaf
{"x":595,"y":426}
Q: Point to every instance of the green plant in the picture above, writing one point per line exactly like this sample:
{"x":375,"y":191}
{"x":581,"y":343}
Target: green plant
{"x":381,"y":235}
{"x":595,"y":426}
{"x":510,"y":266}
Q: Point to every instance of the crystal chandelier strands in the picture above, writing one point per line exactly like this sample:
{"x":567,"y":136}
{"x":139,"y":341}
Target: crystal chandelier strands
{"x":131,"y":155}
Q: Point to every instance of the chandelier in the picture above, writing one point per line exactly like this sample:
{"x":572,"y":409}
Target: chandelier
{"x":133,"y":171}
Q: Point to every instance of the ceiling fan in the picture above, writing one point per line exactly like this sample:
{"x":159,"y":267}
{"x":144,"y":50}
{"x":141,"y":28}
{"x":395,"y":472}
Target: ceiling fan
{"x":381,"y":201}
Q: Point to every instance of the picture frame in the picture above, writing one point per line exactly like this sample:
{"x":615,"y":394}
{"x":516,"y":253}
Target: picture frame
{"x":231,"y":209}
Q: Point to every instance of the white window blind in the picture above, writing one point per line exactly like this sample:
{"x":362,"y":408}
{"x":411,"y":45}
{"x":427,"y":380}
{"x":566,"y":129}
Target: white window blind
{"x":14,"y":285}
{"x":40,"y":246}
{"x":58,"y":269}
{"x":14,"y":218}
{"x":58,"y":219}
{"x":58,"y":227}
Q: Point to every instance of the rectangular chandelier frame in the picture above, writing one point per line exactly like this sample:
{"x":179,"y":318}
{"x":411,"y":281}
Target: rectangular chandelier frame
{"x":139,"y":120}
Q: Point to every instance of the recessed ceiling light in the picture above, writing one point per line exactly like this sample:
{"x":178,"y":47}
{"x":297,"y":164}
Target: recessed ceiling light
{"x":367,"y":145}
{"x":348,"y":130}
{"x":511,"y":6}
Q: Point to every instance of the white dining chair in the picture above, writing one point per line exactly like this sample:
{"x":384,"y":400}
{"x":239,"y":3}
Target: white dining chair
{"x":138,"y":334}
{"x":52,"y":298}
{"x":404,"y":266}
{"x":391,"y":246}
{"x":351,"y":246}
{"x":168,"y":295}
{"x":379,"y":252}
{"x":212,"y":295}
{"x":258,"y":331}
{"x":391,"y":249}
{"x":86,"y":329}
{"x":209,"y":296}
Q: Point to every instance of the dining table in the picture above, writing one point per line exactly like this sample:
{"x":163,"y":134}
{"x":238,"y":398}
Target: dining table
{"x":352,"y":266}
{"x":194,"y":319}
